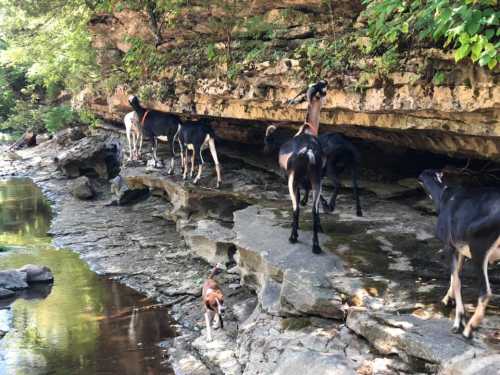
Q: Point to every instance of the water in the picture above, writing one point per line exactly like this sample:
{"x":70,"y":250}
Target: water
{"x":83,"y":323}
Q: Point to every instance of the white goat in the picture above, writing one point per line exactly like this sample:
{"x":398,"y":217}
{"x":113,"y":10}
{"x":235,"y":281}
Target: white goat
{"x":134,"y":135}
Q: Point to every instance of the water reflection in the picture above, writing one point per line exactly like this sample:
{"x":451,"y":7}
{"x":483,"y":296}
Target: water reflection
{"x":84,"y":324}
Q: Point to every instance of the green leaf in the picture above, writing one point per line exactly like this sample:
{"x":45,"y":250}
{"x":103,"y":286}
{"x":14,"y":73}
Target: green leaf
{"x":489,"y":33}
{"x":405,"y":28}
{"x":462,"y":52}
{"x":484,"y":60}
{"x":492,"y":63}
{"x":464,"y":38}
{"x":476,"y":50}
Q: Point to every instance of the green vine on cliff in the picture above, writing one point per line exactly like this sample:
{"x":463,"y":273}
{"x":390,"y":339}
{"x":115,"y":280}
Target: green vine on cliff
{"x":469,"y":27}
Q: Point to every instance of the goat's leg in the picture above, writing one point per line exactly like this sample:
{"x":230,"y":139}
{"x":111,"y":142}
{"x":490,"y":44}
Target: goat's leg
{"x":140,"y":145}
{"x":295,"y":197}
{"x":186,"y":165}
{"x":305,"y":198}
{"x":449,"y":294}
{"x":200,"y":167}
{"x":183,"y":161}
{"x":155,"y":148}
{"x":316,"y":249}
{"x":333,"y":175}
{"x":481,"y":268}
{"x":213,"y":152}
{"x":133,"y":154}
{"x":355,"y":189}
{"x":193,"y":155}
{"x":128,"y":131}
{"x":457,"y":292}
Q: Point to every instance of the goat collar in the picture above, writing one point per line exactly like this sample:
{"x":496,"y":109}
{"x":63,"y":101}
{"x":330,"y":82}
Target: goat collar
{"x":144,"y":118}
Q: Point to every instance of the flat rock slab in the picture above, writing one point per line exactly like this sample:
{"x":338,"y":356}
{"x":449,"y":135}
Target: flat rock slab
{"x":301,"y":362}
{"x":212,"y":241}
{"x":471,"y":365}
{"x":187,"y":200}
{"x":13,"y":280}
{"x":412,"y":338}
{"x":296,"y":278}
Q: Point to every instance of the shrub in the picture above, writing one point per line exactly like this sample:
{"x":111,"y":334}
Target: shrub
{"x":469,"y":27}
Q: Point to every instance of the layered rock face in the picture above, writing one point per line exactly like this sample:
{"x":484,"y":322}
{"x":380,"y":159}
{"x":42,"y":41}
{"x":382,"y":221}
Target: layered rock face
{"x":460,"y":116}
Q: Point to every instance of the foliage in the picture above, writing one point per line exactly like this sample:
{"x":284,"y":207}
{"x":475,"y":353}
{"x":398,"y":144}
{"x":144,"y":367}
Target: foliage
{"x":470,"y":27}
{"x":41,"y":118}
{"x":142,"y":60}
{"x":49,"y":39}
{"x":328,"y":55}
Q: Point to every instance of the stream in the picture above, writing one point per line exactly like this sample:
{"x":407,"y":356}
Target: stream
{"x":83,"y":323}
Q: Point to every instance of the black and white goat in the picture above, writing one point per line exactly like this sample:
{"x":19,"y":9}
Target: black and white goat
{"x":339,"y":154}
{"x":469,"y":226}
{"x":156,"y":126}
{"x":195,"y":137}
{"x":300,"y":158}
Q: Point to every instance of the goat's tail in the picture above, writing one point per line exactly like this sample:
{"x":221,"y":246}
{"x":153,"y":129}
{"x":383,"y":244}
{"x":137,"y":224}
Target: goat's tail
{"x":175,"y":138}
{"x":215,"y":270}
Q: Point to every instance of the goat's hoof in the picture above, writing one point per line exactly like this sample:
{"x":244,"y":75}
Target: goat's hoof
{"x":218,"y":185}
{"x":467,"y":333}
{"x":320,"y":229}
{"x":448,"y":301}
{"x":170,"y":172}
{"x":359,"y":214}
{"x":293,"y":239}
{"x":327,"y":208}
{"x":317,"y":249}
{"x":195,"y":182}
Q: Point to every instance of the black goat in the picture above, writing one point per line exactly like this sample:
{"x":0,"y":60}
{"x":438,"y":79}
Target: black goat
{"x":300,"y":158}
{"x":338,"y":154}
{"x":156,"y":126}
{"x":469,"y":226}
{"x":196,"y":137}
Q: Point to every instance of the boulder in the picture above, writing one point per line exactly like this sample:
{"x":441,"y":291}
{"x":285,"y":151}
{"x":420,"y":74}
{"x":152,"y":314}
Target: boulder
{"x":82,"y":188}
{"x":6,"y":293}
{"x":95,"y":156}
{"x":37,"y":274}
{"x":13,"y":280}
{"x":67,"y":136}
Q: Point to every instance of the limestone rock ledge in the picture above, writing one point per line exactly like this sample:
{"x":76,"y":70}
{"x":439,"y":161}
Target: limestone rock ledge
{"x":303,"y":298}
{"x":460,"y":116}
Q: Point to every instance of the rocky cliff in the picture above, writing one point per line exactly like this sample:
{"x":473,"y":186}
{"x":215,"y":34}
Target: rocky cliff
{"x":424,"y":101}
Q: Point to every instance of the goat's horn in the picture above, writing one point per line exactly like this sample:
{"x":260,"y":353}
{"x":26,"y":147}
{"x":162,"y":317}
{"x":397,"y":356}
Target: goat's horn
{"x":270,"y":129}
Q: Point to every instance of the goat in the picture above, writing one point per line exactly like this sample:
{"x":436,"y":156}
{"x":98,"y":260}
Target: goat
{"x":338,"y":155}
{"x":300,"y":158}
{"x":196,"y":137}
{"x":134,"y":135}
{"x":469,"y":226}
{"x":156,"y":126}
{"x":213,"y":301}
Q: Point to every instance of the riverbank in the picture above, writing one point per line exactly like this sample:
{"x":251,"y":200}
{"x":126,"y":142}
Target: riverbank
{"x":369,"y":305}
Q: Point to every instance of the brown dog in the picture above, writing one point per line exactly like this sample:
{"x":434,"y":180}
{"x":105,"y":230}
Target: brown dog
{"x":213,"y":300}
